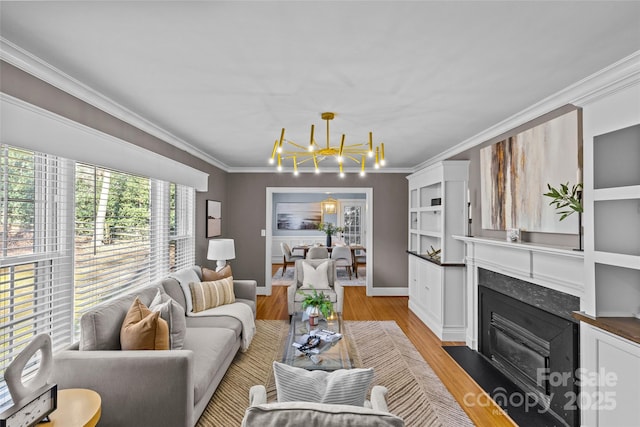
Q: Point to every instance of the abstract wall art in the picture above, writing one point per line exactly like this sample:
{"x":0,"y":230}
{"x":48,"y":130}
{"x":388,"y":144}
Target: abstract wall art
{"x":514,"y":174}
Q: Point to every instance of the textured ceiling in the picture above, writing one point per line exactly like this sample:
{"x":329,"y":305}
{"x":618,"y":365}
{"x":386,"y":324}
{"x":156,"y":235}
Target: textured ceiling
{"x":225,"y":77}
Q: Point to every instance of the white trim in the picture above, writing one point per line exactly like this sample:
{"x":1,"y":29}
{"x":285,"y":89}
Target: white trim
{"x":347,"y":170}
{"x":29,"y":63}
{"x":613,"y":78}
{"x":389,"y":292}
{"x":28,"y":126}
{"x":270,"y":191}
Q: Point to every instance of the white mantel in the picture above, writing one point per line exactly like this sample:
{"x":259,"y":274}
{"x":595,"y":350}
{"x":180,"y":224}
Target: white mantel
{"x":561,"y":269}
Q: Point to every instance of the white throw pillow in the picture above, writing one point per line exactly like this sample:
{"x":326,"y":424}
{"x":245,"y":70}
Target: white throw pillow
{"x":184,"y":277}
{"x":317,"y":277}
{"x":341,"y":387}
{"x":173,"y":314}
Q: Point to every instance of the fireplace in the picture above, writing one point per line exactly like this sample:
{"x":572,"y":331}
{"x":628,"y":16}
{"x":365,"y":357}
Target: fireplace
{"x":527,"y":332}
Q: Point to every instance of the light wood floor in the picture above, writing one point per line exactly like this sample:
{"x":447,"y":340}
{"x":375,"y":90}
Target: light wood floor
{"x":357,"y":306}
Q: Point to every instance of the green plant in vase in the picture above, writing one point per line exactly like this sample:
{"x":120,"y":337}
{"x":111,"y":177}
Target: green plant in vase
{"x":568,"y":199}
{"x":319,"y":302}
{"x":329,"y":229}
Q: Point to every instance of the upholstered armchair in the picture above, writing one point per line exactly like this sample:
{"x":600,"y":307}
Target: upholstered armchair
{"x":335,"y":290}
{"x":374,"y":413}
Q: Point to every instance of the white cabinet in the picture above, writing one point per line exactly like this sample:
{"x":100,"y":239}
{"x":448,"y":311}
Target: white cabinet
{"x":610,"y":379}
{"x":437,"y":211}
{"x":610,"y":334}
{"x":437,"y":297}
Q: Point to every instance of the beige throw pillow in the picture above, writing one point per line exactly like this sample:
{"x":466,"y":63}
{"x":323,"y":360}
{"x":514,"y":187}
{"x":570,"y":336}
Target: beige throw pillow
{"x":317,"y":277}
{"x":143,"y":329}
{"x":205,"y":295}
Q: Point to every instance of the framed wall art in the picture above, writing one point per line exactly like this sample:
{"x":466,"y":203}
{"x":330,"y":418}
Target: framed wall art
{"x":214,"y":218}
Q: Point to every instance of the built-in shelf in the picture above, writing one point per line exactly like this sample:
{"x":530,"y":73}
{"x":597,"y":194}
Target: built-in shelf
{"x":625,"y":327}
{"x":435,"y":260}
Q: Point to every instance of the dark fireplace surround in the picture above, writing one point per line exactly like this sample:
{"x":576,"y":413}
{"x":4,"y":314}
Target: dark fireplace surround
{"x":525,"y":328}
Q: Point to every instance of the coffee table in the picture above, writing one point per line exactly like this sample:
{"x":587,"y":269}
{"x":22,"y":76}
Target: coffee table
{"x":332,"y":356}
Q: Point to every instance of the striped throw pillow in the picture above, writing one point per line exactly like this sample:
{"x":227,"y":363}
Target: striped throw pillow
{"x":341,"y":387}
{"x":205,"y":295}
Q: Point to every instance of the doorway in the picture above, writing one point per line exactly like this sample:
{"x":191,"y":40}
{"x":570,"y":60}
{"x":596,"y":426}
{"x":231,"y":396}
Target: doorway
{"x":367,"y":220}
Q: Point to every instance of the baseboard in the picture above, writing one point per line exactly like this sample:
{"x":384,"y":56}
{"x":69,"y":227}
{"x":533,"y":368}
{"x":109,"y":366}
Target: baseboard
{"x":262,"y":290}
{"x":388,"y":292}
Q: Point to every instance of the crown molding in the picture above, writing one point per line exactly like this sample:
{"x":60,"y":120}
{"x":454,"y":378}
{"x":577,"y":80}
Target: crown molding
{"x":31,"y":64}
{"x":311,"y":171}
{"x":614,"y":78}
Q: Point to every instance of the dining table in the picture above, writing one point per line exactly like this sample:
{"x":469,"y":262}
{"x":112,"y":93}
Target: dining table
{"x":305,"y":249}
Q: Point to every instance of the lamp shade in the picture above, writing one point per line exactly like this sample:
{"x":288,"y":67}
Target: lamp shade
{"x":221,"y":249}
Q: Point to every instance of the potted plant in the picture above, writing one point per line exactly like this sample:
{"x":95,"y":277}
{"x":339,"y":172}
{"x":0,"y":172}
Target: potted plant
{"x":319,"y":303}
{"x":567,"y":201}
{"x":329,"y":229}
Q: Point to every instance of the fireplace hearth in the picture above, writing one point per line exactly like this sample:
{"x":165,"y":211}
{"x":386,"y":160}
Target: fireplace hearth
{"x":526,"y":331}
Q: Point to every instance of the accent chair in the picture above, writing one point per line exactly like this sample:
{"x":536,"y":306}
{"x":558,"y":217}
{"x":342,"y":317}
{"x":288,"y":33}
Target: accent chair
{"x":334,"y":290}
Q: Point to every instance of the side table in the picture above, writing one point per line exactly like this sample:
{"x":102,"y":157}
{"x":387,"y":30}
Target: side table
{"x":77,"y":407}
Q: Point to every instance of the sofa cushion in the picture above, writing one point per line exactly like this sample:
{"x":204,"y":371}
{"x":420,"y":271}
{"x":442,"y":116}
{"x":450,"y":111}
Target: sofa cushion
{"x":100,"y":326}
{"x":310,"y":414}
{"x":210,"y":346}
{"x":173,"y":314}
{"x":143,"y":329}
{"x":209,"y":275}
{"x":341,"y":387}
{"x":206,"y":295}
{"x":184,"y":277}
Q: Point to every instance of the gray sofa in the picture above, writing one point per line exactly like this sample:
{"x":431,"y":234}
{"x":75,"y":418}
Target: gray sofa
{"x":154,"y":388}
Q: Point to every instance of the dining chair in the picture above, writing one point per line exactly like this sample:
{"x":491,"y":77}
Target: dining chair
{"x":318,"y":253}
{"x":359,"y":259}
{"x":342,"y":256}
{"x":287,"y":257}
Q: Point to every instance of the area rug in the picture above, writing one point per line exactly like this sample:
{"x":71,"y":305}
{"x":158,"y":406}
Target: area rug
{"x":343,"y":277}
{"x":415,"y":392}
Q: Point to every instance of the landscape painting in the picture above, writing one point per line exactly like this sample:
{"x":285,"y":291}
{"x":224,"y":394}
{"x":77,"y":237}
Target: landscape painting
{"x":298,"y":216}
{"x":514,"y":174}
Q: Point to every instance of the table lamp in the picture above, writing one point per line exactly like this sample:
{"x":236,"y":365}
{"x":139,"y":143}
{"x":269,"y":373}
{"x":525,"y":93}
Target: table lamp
{"x":221,"y":250}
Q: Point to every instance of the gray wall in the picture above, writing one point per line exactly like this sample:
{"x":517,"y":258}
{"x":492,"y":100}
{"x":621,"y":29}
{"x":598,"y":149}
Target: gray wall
{"x":243,"y":196}
{"x":247,"y":199}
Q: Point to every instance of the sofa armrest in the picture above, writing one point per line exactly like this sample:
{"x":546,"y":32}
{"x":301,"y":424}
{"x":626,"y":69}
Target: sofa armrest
{"x":136,"y":387}
{"x":378,"y":401}
{"x":245,"y":289}
{"x":257,"y":395}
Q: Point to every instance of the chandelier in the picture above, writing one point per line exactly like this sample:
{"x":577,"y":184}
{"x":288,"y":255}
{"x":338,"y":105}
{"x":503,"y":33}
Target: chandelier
{"x":299,"y":155}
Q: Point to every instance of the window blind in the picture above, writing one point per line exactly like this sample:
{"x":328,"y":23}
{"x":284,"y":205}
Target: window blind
{"x":36,"y":283}
{"x":74,"y":235}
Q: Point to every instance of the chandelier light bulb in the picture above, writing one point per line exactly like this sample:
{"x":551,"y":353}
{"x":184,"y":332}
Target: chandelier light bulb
{"x":363,"y":173}
{"x":270,"y":160}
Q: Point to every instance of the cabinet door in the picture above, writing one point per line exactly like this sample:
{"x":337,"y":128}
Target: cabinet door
{"x":433,"y":287}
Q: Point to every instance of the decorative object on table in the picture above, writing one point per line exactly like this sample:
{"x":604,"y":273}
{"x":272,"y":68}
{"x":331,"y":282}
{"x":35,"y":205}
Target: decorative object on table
{"x":567,"y":201}
{"x":214,"y":218}
{"x":221,"y":250}
{"x":34,"y":401}
{"x":434,"y":253}
{"x":513,"y":235}
{"x":315,"y":153}
{"x":329,"y":229}
{"x":318,"y":302}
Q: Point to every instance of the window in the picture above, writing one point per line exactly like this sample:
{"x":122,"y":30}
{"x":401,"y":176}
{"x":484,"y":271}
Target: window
{"x":73,"y":235}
